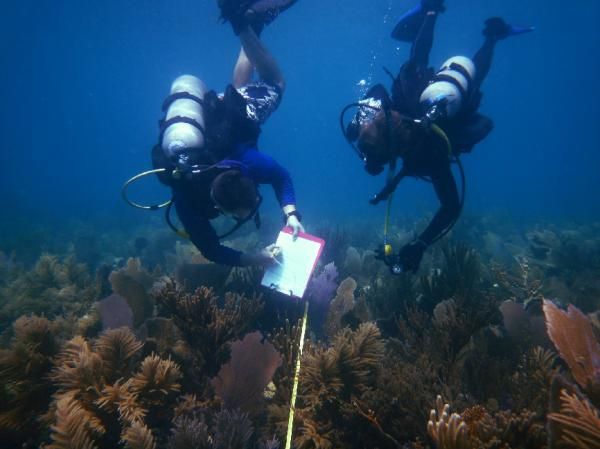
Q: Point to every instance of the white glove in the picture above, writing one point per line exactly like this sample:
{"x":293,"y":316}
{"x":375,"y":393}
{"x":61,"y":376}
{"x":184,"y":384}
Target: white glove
{"x":294,"y":223}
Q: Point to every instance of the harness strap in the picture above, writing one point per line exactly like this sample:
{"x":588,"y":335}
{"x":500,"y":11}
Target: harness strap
{"x":460,"y":69}
{"x":180,"y":96}
{"x":453,"y":81}
{"x":164,"y":124}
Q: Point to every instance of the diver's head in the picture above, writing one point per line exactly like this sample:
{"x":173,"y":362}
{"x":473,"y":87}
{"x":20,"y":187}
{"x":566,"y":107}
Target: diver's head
{"x":383,"y":139}
{"x":235,"y":195}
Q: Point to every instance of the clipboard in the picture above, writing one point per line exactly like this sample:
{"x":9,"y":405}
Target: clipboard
{"x":298,"y":261}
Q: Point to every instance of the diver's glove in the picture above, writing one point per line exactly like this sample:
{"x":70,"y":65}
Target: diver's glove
{"x":409,"y":257}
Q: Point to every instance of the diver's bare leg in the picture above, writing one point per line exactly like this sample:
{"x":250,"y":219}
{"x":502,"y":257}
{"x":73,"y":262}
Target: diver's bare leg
{"x":242,"y":73}
{"x":260,"y":57}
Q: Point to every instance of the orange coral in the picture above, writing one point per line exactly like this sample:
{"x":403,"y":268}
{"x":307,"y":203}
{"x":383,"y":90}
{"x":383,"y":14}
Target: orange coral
{"x":116,"y":348}
{"x":138,"y":436}
{"x":580,"y":422}
{"x":75,"y":426}
{"x":573,"y":335}
{"x":156,"y":380}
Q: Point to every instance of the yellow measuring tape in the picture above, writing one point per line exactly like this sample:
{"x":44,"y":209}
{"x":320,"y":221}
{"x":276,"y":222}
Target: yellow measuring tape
{"x":288,"y":443}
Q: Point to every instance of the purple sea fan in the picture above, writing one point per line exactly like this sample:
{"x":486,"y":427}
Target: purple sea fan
{"x":242,"y":381}
{"x":115,"y":312}
{"x":322,"y":288}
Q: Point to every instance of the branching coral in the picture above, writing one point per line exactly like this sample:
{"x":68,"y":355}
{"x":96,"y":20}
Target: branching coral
{"x":117,"y":348}
{"x":208,"y":328}
{"x":190,"y":433}
{"x":332,"y":379}
{"x":51,"y":288}
{"x":23,"y":374}
{"x":233,"y":430}
{"x":138,"y":436}
{"x":341,"y":305}
{"x":573,"y":335}
{"x":448,"y":431}
{"x":156,"y":380}
{"x":580,"y":422}
{"x":96,"y":384}
{"x":75,"y":427}
{"x":530,"y":384}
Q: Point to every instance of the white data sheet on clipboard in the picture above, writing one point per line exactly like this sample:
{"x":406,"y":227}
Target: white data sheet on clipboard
{"x":298,"y":260}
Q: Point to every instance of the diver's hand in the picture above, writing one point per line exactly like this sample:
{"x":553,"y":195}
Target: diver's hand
{"x":293,"y":222}
{"x":263,"y":258}
{"x":411,"y":254}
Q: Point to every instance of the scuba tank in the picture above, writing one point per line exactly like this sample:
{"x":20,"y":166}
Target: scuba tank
{"x":451,"y":86}
{"x":183,"y":126}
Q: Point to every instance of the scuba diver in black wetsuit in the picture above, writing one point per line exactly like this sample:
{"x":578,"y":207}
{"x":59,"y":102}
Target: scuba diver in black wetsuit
{"x":207,"y":151}
{"x":429,"y":119}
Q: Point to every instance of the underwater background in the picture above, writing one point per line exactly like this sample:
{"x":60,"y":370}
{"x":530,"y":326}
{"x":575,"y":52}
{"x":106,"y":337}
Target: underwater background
{"x":501,"y":322}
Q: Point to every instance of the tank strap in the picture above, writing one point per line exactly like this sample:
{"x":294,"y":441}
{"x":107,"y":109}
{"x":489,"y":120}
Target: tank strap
{"x":460,"y":69}
{"x":180,"y":96}
{"x":164,"y":124}
{"x":454,"y":82}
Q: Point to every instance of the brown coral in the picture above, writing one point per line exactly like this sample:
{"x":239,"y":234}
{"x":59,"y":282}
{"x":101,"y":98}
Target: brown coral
{"x":340,"y":305}
{"x":138,"y":436}
{"x":23,"y":373}
{"x":579,"y":420}
{"x":156,"y":380}
{"x":208,"y":328}
{"x":573,"y":335}
{"x":117,"y":349}
{"x":75,"y":426}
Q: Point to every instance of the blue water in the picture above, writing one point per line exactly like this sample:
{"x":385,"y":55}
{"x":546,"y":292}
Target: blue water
{"x":82,"y":83}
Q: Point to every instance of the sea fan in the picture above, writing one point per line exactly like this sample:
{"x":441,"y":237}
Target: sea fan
{"x":75,"y":426}
{"x":117,"y":348}
{"x":242,"y":381}
{"x":580,"y":422}
{"x":156,"y":380}
{"x":573,"y":335}
{"x":138,"y":436}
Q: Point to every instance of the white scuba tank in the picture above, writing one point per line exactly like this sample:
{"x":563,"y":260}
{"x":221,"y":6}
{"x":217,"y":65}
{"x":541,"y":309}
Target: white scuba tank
{"x":184,"y":135}
{"x":452,"y":74}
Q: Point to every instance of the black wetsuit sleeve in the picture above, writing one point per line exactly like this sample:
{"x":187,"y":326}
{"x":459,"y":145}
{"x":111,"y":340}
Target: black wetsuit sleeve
{"x":203,"y":235}
{"x":422,"y":45}
{"x":447,"y":193}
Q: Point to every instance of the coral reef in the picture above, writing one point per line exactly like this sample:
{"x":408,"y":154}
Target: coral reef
{"x":166,"y":361}
{"x":52,"y":288}
{"x":207,"y":327}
